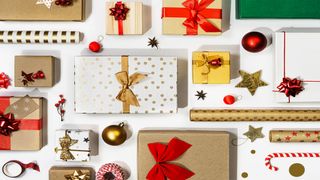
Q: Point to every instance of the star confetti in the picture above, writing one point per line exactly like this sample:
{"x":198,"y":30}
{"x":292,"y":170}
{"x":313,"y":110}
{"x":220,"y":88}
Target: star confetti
{"x":77,"y":175}
{"x":47,"y":3}
{"x":251,"y":81}
{"x":254,"y":133}
{"x":153,"y":42}
{"x":201,"y":95}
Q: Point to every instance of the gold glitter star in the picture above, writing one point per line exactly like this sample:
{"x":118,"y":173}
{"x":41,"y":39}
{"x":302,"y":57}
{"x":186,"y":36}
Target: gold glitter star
{"x":254,"y":133}
{"x":77,"y":175}
{"x":251,"y":81}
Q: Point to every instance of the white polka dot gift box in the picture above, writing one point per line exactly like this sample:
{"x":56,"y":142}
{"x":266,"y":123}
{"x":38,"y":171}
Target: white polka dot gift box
{"x":125,"y":84}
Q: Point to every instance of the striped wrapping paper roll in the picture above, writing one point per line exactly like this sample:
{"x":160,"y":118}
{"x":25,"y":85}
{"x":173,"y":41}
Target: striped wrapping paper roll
{"x":46,"y":37}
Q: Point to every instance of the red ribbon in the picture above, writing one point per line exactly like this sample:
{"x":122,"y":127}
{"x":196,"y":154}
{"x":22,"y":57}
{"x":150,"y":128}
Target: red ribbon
{"x":4,"y":81}
{"x":163,"y":170}
{"x":216,"y":62}
{"x":119,"y":11}
{"x":8,"y":124}
{"x":196,"y":14}
{"x":32,"y":165}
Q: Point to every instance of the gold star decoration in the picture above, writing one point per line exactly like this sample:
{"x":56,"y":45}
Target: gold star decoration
{"x":153,"y":42}
{"x":77,"y":175}
{"x":254,"y":133}
{"x":47,"y":3}
{"x":251,"y":81}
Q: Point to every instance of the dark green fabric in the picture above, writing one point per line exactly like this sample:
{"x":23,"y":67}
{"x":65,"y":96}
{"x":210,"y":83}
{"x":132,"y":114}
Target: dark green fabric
{"x":278,"y":9}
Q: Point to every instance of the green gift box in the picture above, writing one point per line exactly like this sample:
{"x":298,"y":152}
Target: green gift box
{"x":278,"y":9}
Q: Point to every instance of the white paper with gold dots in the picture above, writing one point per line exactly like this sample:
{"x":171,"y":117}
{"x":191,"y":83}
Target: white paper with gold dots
{"x":96,"y":86}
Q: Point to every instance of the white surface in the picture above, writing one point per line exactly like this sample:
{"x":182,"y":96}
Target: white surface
{"x":94,"y":26}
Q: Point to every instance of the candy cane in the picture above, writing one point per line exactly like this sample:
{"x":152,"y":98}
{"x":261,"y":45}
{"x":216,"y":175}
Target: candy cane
{"x":287,"y":155}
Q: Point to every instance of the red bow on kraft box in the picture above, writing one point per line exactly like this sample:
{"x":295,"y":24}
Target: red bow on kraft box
{"x":196,"y":14}
{"x":119,"y":11}
{"x":162,"y":154}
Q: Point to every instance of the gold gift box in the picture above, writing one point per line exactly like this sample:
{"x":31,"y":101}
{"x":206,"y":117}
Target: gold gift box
{"x":204,"y":73}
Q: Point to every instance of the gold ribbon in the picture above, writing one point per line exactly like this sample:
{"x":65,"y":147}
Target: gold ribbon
{"x":205,"y":67}
{"x":126,"y":95}
{"x":77,"y":175}
{"x":66,"y":142}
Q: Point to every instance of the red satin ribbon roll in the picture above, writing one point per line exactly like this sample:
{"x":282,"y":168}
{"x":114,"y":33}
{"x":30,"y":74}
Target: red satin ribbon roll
{"x":22,"y":166}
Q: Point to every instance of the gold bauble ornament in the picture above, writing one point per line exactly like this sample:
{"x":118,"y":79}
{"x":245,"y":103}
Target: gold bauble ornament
{"x":114,"y":135}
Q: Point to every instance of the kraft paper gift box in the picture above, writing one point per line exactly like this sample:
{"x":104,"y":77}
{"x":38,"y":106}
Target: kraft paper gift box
{"x":278,"y":9}
{"x":31,"y":10}
{"x":65,"y":173}
{"x":125,"y":84}
{"x":177,"y":17}
{"x":26,"y":67}
{"x":297,"y":65}
{"x":131,"y":22}
{"x":211,"y":67}
{"x":29,"y":112}
{"x":73,"y":145}
{"x":203,"y":154}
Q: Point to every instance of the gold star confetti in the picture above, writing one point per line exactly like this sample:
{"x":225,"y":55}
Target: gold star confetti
{"x":254,"y":133}
{"x":251,"y":81}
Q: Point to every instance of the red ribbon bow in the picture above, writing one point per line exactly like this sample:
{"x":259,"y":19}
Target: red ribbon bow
{"x":163,"y":170}
{"x":290,"y":87}
{"x":8,"y":124}
{"x":4,"y":81}
{"x":216,"y":62}
{"x":119,"y":11}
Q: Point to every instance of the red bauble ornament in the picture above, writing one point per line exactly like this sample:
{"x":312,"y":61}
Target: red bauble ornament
{"x":254,"y":42}
{"x":95,"y":46}
{"x":229,"y":100}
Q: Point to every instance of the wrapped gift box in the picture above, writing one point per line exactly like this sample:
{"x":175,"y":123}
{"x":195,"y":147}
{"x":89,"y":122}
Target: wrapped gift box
{"x":211,"y":67}
{"x":26,"y":67}
{"x":73,"y":145}
{"x":30,"y":111}
{"x":100,"y":84}
{"x":278,"y":9}
{"x":207,"y":155}
{"x":29,"y":10}
{"x":297,"y":58}
{"x":177,"y":19}
{"x":132,"y":21}
{"x":65,"y":173}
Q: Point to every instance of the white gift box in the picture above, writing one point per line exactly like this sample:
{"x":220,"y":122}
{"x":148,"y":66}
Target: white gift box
{"x":297,"y":55}
{"x":73,"y":145}
{"x":96,"y":85}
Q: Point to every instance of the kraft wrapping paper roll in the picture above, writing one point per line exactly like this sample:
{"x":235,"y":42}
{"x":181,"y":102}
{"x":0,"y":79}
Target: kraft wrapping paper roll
{"x":254,"y":115}
{"x":282,"y":136}
{"x":35,"y":37}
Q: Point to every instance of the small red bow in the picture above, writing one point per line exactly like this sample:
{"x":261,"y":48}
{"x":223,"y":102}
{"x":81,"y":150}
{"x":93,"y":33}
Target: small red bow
{"x":290,"y":87}
{"x":197,"y":18}
{"x":8,"y":124}
{"x":163,"y":170}
{"x":119,"y":11}
{"x":4,"y":81}
{"x":216,"y":62}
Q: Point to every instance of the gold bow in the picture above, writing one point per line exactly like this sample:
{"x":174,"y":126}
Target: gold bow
{"x":126,"y":95}
{"x":204,"y":63}
{"x":77,"y":175}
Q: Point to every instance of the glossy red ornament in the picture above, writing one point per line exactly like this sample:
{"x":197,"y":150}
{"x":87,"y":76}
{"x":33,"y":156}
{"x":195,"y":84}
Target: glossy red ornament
{"x":215,"y":62}
{"x":95,"y":46}
{"x":229,"y":99}
{"x":254,"y":42}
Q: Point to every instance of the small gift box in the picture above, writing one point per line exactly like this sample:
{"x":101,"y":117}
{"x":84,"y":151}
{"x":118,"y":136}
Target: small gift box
{"x":211,"y":67}
{"x":125,"y":18}
{"x":275,"y":9}
{"x":71,"y":173}
{"x":42,"y":10}
{"x":192,"y":17}
{"x":20,"y":122}
{"x":73,"y":145}
{"x":34,"y":71}
{"x":297,"y":77}
{"x":193,"y":154}
{"x":126,"y":84}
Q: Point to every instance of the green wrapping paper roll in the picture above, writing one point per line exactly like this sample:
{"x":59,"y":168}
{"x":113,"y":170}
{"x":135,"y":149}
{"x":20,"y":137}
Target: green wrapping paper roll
{"x":254,"y":115}
{"x":283,"y":136}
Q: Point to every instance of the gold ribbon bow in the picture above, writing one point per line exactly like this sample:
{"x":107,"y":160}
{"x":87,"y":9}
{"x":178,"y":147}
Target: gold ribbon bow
{"x":205,"y":66}
{"x":77,"y":175}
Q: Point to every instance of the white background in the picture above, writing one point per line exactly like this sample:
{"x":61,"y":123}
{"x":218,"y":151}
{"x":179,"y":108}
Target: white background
{"x":95,"y":26}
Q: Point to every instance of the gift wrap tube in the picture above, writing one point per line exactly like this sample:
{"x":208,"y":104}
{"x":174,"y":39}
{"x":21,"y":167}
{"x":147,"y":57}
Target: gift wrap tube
{"x":281,"y":136}
{"x":254,"y":115}
{"x":36,"y":37}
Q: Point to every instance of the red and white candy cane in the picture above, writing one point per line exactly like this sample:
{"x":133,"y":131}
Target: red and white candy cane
{"x":287,"y":155}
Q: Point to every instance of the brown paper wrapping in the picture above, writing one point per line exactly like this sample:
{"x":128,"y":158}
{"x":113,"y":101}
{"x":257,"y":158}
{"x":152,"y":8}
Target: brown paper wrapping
{"x":208,"y":157}
{"x":254,"y":115}
{"x":28,"y":10}
{"x":282,"y":136}
{"x":58,"y":173}
{"x":174,"y":26}
{"x":32,"y":64}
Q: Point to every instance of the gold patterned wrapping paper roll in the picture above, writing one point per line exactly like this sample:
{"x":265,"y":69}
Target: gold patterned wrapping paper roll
{"x":254,"y":115}
{"x":38,"y":37}
{"x":283,"y":136}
